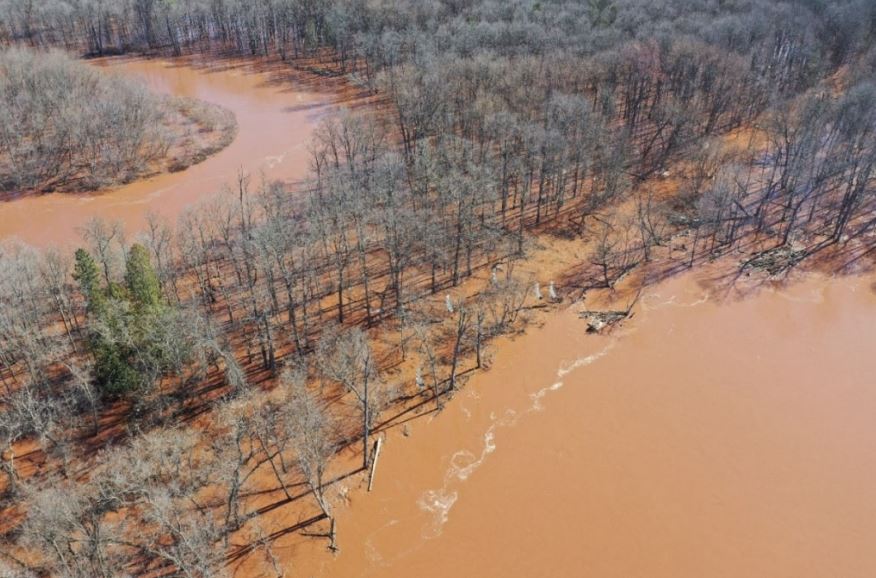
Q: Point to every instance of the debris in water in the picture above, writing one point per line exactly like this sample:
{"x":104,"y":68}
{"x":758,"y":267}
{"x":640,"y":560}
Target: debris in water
{"x":776,"y":260}
{"x":599,"y":320}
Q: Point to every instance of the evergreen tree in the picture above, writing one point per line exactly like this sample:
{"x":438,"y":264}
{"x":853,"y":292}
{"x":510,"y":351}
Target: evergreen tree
{"x":86,"y":273}
{"x":114,"y":374}
{"x":141,"y":278}
{"x":110,"y":319}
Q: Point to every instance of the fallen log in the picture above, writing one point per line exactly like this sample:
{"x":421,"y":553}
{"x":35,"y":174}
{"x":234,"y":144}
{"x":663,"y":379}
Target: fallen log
{"x":597,"y":321}
{"x":374,"y":459}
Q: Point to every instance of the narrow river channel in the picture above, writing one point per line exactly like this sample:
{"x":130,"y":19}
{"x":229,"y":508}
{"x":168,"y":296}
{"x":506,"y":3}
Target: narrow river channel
{"x":276,"y":114}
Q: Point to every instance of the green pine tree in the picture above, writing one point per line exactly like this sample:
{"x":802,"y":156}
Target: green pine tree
{"x":113,"y":372}
{"x":141,"y":279}
{"x":87,"y":274}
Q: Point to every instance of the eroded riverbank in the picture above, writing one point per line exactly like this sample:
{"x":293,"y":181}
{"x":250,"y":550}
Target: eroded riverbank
{"x":276,"y":112}
{"x":714,"y":435}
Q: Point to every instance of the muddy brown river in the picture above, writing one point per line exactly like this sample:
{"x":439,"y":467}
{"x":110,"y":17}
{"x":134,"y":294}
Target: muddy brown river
{"x":714,"y":436}
{"x":276,"y":114}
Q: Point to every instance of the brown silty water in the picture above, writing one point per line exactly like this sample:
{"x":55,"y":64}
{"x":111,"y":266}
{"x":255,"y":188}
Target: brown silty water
{"x":713,"y":435}
{"x":276,"y":114}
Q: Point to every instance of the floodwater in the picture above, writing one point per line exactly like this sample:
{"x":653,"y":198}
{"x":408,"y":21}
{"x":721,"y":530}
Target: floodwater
{"x":712,"y":436}
{"x":276,"y":114}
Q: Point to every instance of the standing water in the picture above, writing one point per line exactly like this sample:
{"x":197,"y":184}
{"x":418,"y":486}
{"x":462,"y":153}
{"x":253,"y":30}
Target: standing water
{"x":713,"y":436}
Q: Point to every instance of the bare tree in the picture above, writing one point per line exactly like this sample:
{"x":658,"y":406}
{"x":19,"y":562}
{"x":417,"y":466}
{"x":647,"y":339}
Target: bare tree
{"x":313,"y":438}
{"x":345,"y":358}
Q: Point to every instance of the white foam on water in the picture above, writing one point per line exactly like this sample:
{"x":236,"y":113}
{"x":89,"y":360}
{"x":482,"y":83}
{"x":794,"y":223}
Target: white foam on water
{"x":437,"y":502}
{"x":538,"y":395}
{"x":274,"y":160}
{"x":464,"y":463}
{"x":673,"y":301}
{"x":565,"y":370}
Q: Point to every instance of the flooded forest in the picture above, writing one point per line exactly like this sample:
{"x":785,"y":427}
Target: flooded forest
{"x":437,"y":288}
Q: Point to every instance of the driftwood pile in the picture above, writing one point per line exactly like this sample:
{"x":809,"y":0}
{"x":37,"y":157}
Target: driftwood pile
{"x":597,"y":321}
{"x":776,"y":260}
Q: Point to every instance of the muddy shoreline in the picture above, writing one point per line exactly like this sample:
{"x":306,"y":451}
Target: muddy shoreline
{"x":276,"y":112}
{"x":719,"y":433}
{"x":698,"y":439}
{"x":199,"y":130}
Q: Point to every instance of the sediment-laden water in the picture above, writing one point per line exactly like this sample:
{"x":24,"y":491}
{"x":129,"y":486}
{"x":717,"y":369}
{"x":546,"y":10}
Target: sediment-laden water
{"x":720,"y":433}
{"x":716,"y":434}
{"x":276,"y":114}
